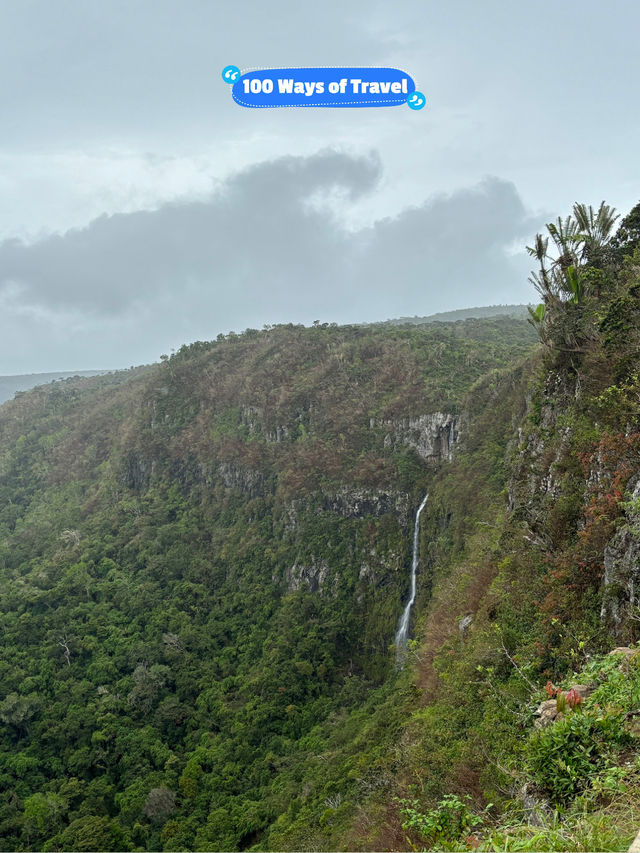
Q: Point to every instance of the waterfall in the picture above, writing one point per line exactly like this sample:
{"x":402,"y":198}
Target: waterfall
{"x":452,"y":438}
{"x":403,"y":626}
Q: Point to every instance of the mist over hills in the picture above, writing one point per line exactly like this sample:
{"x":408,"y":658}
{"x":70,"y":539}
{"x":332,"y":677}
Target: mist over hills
{"x":10,"y":385}
{"x":464,"y":314}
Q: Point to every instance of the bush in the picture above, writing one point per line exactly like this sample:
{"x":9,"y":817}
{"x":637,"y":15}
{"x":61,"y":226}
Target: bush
{"x":446,"y":825}
{"x":565,"y":756}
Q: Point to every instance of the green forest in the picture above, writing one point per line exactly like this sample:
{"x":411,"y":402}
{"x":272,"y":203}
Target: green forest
{"x":203,"y":563}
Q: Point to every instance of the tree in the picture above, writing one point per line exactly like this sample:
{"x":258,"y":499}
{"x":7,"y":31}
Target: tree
{"x":596,"y":229}
{"x":627,"y":237}
{"x":567,"y":273}
{"x":93,"y":833}
{"x":160,"y":803}
{"x":578,"y":239}
{"x":17,"y":710}
{"x":42,"y":813}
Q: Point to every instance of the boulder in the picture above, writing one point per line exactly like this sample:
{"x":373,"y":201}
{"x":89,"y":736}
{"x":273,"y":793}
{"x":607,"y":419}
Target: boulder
{"x":464,"y":624}
{"x":624,"y":650}
{"x":547,"y":713}
{"x":548,"y":710}
{"x":583,"y":690}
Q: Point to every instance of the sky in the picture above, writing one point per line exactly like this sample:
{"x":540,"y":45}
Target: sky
{"x":141,"y":208}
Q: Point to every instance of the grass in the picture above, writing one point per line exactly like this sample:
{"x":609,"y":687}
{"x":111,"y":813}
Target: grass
{"x":610,"y":828}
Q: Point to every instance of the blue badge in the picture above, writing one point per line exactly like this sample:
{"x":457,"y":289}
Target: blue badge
{"x":323,"y":86}
{"x":416,"y":100}
{"x":230,"y":74}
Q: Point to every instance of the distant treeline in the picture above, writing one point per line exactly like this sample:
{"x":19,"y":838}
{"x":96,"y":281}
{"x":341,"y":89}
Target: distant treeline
{"x":9,"y":385}
{"x":461,"y":314}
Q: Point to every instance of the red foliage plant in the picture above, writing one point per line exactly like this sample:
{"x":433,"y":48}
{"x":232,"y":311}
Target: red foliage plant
{"x":579,"y":568}
{"x":573,"y":699}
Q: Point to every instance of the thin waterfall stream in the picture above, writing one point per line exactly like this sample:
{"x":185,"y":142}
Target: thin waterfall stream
{"x":403,"y":626}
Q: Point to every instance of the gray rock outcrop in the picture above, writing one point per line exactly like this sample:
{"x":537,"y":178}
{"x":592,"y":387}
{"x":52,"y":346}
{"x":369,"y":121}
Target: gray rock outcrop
{"x":621,"y":583}
{"x":432,"y":436}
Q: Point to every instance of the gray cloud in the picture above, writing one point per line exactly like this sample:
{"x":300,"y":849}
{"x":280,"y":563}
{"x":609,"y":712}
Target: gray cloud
{"x":450,"y":250}
{"x":260,"y":250}
{"x":254,"y":238}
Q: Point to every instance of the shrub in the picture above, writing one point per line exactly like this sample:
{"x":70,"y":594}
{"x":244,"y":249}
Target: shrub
{"x":564,"y":757}
{"x":446,"y":825}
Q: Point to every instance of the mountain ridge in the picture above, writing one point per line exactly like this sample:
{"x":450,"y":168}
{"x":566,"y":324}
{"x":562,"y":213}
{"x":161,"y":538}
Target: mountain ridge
{"x":10,"y":384}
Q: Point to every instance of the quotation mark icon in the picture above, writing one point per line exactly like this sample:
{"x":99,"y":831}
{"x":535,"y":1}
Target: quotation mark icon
{"x":230,"y":73}
{"x":416,"y":100}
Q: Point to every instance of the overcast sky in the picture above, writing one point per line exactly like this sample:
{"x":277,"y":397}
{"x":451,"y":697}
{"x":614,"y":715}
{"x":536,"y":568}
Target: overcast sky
{"x":141,"y":208}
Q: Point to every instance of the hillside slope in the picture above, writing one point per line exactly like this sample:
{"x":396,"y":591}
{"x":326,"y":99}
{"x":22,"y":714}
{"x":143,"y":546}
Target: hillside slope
{"x":202,"y":568}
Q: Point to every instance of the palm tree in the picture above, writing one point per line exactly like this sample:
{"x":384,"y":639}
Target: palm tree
{"x":597,"y":227}
{"x":577,"y":240}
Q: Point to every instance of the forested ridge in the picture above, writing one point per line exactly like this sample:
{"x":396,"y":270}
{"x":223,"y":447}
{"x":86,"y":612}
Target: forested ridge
{"x":202,"y":565}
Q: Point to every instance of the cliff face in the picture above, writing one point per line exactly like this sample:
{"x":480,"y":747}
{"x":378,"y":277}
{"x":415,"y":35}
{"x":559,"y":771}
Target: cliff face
{"x":621,"y":581}
{"x":432,"y":436}
{"x":574,"y":487}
